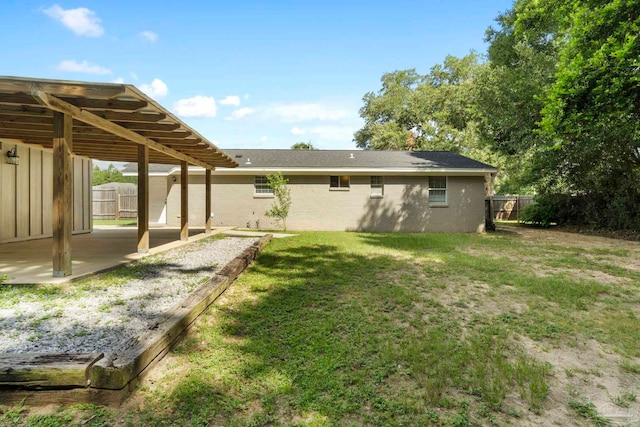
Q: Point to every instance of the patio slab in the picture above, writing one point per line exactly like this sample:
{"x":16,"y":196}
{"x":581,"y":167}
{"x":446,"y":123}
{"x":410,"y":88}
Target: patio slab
{"x":30,"y":262}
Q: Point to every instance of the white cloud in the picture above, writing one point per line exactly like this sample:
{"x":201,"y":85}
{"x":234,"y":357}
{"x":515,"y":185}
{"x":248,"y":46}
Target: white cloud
{"x":149,"y":36}
{"x":156,"y":89}
{"x":133,"y":75}
{"x":335,"y":132}
{"x":81,"y":21}
{"x":82,"y":67}
{"x":231,"y":100}
{"x":263,"y":138}
{"x":297,"y":131}
{"x":240,"y":113}
{"x":197,"y":106}
{"x":297,"y":112}
{"x":118,"y":80}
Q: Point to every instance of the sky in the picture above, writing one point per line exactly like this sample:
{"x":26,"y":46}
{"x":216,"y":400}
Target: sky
{"x":245,"y":74}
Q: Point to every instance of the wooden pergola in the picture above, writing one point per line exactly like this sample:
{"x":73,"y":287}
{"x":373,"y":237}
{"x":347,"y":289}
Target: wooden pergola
{"x":103,"y":121}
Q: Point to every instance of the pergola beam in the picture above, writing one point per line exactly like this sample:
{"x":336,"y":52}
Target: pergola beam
{"x":99,"y":90}
{"x":62,"y":194}
{"x":38,"y":111}
{"x":207,"y":201}
{"x":184,"y":201}
{"x":143,"y":199}
{"x":87,"y":117}
{"x":26,"y":121}
{"x":21,"y":98}
{"x":43,"y":124}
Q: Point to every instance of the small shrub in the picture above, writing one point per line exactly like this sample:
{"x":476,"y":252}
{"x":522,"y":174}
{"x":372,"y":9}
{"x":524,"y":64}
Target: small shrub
{"x":538,"y":214}
{"x":592,"y":210}
{"x":280,"y":208}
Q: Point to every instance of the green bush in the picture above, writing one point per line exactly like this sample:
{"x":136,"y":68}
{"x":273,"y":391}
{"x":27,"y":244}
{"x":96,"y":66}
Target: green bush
{"x":540,"y":214}
{"x":597,"y":211}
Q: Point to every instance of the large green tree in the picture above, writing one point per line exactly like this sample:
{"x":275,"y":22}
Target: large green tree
{"x":422,"y":112}
{"x":510,"y":92}
{"x":436,"y":111}
{"x":110,"y":174}
{"x":562,"y":98}
{"x":592,"y":110}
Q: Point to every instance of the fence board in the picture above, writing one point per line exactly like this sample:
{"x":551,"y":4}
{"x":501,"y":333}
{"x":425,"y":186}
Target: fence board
{"x":509,"y":208}
{"x":115,"y":202}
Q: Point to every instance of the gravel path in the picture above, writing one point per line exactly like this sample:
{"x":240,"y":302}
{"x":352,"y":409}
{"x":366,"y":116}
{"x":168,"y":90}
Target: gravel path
{"x":102,"y":313}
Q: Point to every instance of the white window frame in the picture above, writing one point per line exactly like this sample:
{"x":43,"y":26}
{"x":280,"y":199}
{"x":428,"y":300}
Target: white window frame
{"x":377,"y":187}
{"x":341,"y":186}
{"x":261,"y":186}
{"x":435,"y":187}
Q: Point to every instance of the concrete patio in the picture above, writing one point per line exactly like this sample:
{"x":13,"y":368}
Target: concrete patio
{"x":30,"y":261}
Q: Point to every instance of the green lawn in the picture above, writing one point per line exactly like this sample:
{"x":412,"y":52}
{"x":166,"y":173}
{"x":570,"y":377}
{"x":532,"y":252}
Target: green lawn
{"x":396,"y":329}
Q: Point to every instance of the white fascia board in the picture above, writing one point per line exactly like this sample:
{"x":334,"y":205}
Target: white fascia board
{"x":354,"y":171}
{"x":192,"y":170}
{"x":196,"y":170}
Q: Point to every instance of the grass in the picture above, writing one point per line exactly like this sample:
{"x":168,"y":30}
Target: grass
{"x":72,"y":415}
{"x":587,"y":410}
{"x":393,"y":329}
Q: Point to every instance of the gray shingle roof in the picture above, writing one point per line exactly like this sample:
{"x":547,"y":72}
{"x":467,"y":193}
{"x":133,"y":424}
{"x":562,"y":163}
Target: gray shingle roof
{"x":329,"y":159}
{"x":352,"y":159}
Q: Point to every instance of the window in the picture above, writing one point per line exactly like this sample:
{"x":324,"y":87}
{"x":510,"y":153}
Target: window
{"x":339,"y":182}
{"x":438,"y":189}
{"x":377,"y":187}
{"x":261,"y":184}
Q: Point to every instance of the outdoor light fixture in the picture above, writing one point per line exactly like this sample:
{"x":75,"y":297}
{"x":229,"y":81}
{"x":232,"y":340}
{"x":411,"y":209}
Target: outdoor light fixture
{"x":12,"y":157}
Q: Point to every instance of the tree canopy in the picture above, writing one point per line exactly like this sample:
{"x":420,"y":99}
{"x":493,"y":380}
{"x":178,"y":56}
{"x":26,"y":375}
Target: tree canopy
{"x":110,"y":174}
{"x":303,"y":146}
{"x":555,"y":104}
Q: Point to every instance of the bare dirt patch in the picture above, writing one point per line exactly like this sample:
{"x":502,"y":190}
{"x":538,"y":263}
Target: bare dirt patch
{"x":589,"y":372}
{"x":598,"y":276}
{"x":572,"y":239}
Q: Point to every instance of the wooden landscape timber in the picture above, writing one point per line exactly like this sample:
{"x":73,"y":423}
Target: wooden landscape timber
{"x":108,"y":378}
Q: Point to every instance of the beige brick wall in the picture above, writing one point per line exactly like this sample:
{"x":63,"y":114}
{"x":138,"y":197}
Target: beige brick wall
{"x":404,"y":206}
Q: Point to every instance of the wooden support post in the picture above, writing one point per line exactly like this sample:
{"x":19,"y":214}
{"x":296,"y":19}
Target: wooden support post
{"x":62,"y":193}
{"x":184,"y":200}
{"x":143,"y":199}
{"x":207,"y":201}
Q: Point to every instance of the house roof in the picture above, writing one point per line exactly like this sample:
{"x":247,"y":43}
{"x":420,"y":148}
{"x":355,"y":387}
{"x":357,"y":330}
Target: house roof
{"x":110,"y":121}
{"x":346,"y":161}
{"x":251,"y":158}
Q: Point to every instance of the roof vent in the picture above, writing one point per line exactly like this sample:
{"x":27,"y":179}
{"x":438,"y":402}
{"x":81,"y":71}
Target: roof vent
{"x":248,"y":162}
{"x":351,"y":156}
{"x":238,"y":156}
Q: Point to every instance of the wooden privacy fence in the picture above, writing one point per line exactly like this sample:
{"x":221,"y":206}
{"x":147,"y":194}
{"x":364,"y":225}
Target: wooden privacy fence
{"x":510,"y":207}
{"x":115,"y":202}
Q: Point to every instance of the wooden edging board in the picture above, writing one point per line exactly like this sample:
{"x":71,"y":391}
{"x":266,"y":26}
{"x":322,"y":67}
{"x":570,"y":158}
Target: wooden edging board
{"x":108,"y":378}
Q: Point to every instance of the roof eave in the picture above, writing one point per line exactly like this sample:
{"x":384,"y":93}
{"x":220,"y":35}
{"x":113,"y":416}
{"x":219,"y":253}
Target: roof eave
{"x":338,"y":171}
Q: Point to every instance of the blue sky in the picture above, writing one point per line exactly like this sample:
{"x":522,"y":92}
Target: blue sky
{"x":248,"y":74}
